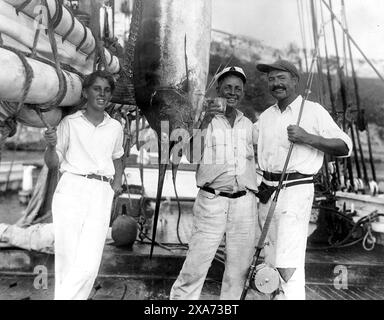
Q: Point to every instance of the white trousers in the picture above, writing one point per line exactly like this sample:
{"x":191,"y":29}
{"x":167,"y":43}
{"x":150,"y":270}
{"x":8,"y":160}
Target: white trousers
{"x":81,"y":210}
{"x":286,"y":241}
{"x":215,"y":216}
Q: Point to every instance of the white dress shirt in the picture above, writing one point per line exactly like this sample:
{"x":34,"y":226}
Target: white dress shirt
{"x":85,"y":149}
{"x":271,"y":137}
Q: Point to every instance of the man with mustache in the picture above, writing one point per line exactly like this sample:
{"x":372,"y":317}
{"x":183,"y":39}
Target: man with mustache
{"x":274,"y":131}
{"x":226,"y":203}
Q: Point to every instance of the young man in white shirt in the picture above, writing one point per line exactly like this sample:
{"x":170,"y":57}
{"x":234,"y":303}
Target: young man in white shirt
{"x":87,"y":147}
{"x":274,"y":131}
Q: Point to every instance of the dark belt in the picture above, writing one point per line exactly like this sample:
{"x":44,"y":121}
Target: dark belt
{"x":96,"y":176}
{"x":270,"y":176}
{"x":225,"y":194}
{"x":265,"y":191}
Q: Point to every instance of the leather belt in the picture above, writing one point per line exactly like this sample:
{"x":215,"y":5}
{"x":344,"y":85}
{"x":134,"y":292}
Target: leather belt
{"x":225,"y":194}
{"x":96,"y":176}
{"x":270,"y":176}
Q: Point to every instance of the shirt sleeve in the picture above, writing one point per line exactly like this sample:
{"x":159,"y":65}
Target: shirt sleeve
{"x":330,"y":130}
{"x":62,"y":139}
{"x":118,"y":150}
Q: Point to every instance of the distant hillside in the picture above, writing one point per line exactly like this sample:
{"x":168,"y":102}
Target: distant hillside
{"x":247,"y":52}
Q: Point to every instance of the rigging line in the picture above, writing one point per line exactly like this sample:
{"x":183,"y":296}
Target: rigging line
{"x":357,"y":94}
{"x":304,"y":37}
{"x":353,"y":41}
{"x":331,"y":94}
{"x":301,"y":24}
{"x":316,"y":37}
{"x":345,"y":39}
{"x":309,"y":23}
{"x":329,"y":77}
{"x":339,"y":71}
{"x":343,"y":94}
{"x":357,"y":150}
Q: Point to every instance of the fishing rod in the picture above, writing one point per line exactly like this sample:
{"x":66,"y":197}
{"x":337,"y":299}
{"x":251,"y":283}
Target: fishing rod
{"x":343,"y":91}
{"x":351,"y":126}
{"x":271,"y":211}
{"x":320,"y":77}
{"x":361,"y":124}
{"x":302,"y":31}
{"x":352,"y":40}
{"x":322,"y":83}
{"x":331,"y":94}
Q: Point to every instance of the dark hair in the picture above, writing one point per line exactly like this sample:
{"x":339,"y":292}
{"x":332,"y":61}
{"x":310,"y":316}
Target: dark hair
{"x":91,"y":78}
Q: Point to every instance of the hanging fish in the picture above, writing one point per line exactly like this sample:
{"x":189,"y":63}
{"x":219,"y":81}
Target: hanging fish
{"x":170,"y":69}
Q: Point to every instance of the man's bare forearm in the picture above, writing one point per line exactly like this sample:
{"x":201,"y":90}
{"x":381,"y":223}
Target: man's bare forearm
{"x":118,"y":164}
{"x":334,"y":147}
{"x":51,"y":158}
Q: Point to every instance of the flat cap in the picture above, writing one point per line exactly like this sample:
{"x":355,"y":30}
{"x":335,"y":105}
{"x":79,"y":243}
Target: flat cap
{"x":237,"y":71}
{"x":282,"y":65}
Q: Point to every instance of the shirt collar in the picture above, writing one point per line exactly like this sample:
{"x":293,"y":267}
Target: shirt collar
{"x":295,"y":104}
{"x":239,"y":115}
{"x":80,"y":113}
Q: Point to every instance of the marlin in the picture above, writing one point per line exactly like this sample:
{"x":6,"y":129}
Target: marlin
{"x":170,"y":71}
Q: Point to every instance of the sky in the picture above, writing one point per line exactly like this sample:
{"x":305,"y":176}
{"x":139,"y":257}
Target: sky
{"x":276,"y":22}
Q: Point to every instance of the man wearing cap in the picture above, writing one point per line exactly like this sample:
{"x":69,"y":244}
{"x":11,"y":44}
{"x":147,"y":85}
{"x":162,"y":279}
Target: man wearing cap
{"x":225,"y":203}
{"x":274,"y":131}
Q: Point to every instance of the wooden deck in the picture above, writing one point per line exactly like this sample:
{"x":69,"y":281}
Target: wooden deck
{"x":22,"y":288}
{"x":129,"y":275}
{"x":329,"y":292}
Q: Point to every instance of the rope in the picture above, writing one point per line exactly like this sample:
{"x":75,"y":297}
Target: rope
{"x":174,"y":170}
{"x":78,"y":47}
{"x":58,"y":14}
{"x":37,"y":34}
{"x":29,"y":73}
{"x":70,"y":28}
{"x":28,"y":76}
{"x":62,"y":82}
{"x":22,"y":6}
{"x":368,"y":240}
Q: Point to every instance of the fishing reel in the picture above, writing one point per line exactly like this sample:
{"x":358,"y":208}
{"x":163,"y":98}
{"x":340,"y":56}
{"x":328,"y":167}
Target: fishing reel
{"x":359,"y":184}
{"x":265,"y":279}
{"x":373,"y":187}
